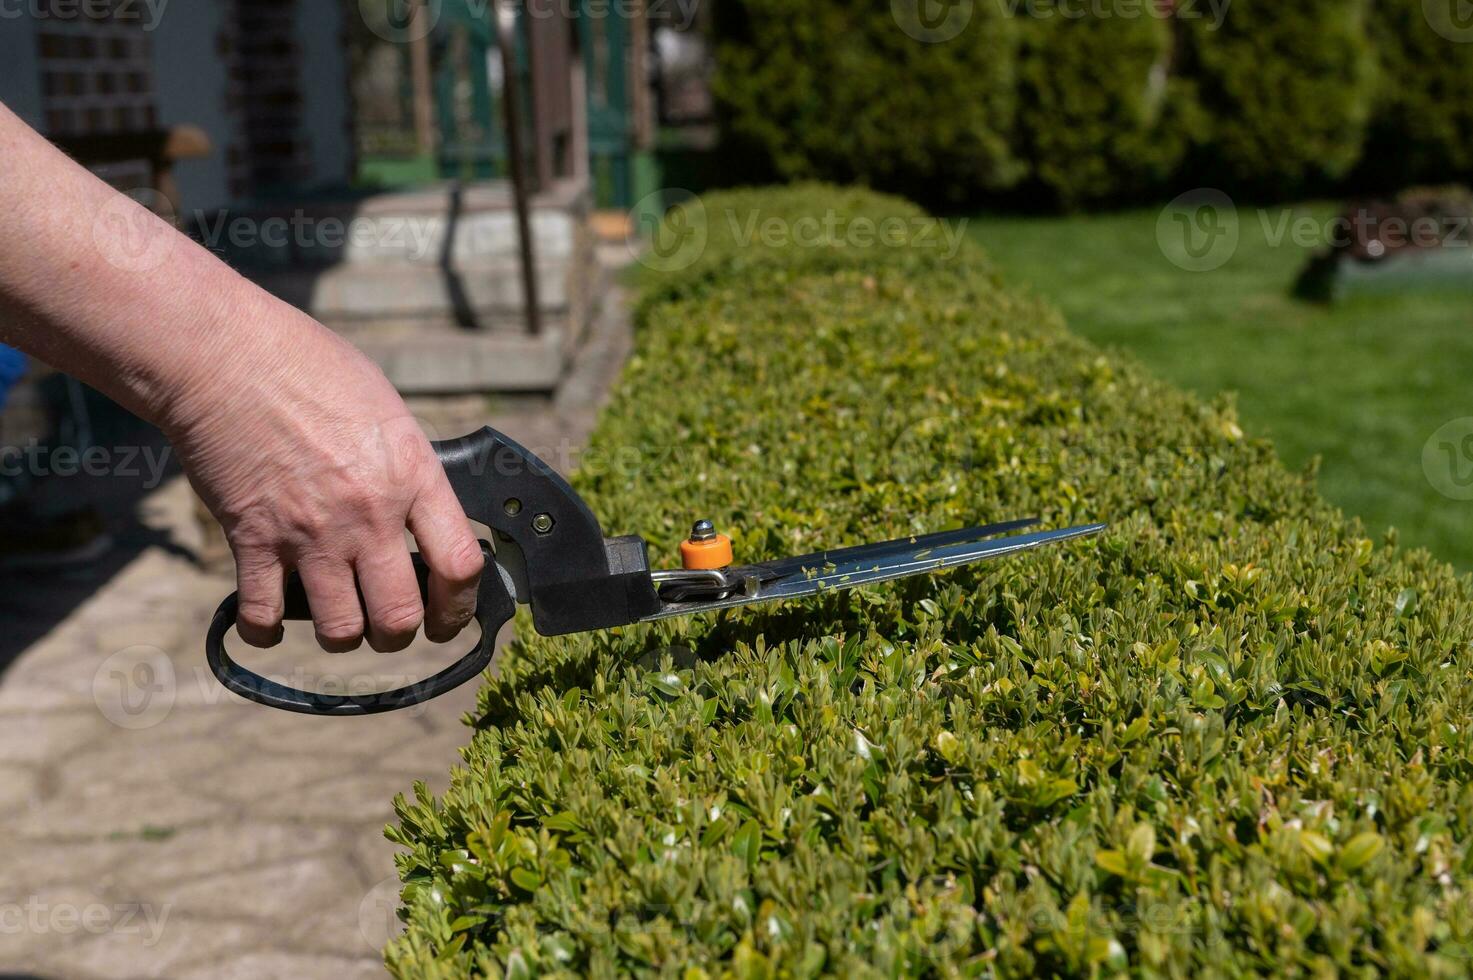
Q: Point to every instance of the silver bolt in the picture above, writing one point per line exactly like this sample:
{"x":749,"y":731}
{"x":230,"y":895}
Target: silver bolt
{"x":703,"y":531}
{"x":542,"y":523}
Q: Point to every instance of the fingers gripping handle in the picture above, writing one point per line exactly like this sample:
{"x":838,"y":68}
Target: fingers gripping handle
{"x":494,"y":607}
{"x":489,"y":474}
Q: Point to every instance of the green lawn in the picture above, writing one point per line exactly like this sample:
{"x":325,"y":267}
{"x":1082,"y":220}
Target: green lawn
{"x":1363,"y":385}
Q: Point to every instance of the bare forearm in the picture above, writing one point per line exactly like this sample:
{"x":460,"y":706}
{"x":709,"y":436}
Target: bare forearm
{"x":92,"y":280}
{"x":295,"y":440}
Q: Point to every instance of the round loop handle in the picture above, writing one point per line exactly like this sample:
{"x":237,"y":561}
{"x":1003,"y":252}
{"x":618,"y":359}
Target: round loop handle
{"x":494,"y":607}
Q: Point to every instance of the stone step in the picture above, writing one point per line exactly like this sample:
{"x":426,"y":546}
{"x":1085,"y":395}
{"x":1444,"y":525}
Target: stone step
{"x":572,"y":319}
{"x":432,"y":227}
{"x":389,"y":291}
{"x":439,"y":363}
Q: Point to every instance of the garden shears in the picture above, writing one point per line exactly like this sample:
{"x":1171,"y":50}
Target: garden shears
{"x":551,"y":554}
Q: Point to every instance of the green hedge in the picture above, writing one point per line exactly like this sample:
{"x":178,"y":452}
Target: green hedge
{"x":1095,"y":105}
{"x":1229,"y":736}
{"x":833,"y":89}
{"x":1422,"y":128}
{"x":1288,"y":88}
{"x":1102,"y":118}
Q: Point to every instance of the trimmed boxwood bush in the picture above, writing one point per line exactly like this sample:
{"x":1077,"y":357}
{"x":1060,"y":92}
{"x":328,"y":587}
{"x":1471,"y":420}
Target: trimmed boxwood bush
{"x":1422,"y":129}
{"x":1287,"y":88}
{"x":1229,"y":736}
{"x":837,"y":90}
{"x":1102,"y":118}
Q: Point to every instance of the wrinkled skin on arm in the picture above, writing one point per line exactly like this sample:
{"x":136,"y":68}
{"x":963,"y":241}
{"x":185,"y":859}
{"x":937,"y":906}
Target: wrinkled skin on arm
{"x":295,"y":440}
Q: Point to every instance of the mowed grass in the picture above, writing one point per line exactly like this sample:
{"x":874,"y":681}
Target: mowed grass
{"x":1363,"y":384}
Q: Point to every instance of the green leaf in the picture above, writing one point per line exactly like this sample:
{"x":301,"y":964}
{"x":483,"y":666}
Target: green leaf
{"x":1406,"y":603}
{"x":526,"y":879}
{"x":1141,"y":846}
{"x":1114,"y":862}
{"x":463,"y":923}
{"x":1359,"y":851}
{"x":1317,"y":846}
{"x":561,"y":822}
{"x":747,"y":844}
{"x":948,"y":746}
{"x":668,"y":684}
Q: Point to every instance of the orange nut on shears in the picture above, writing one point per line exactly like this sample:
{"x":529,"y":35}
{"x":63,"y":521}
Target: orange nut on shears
{"x":712,"y":553}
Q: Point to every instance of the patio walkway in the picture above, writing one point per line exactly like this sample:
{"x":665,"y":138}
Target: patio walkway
{"x":156,"y":825}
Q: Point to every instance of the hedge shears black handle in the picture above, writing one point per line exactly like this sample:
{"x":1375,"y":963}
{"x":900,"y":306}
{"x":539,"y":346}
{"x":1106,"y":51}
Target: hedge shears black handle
{"x":494,"y":607}
{"x":550,"y":553}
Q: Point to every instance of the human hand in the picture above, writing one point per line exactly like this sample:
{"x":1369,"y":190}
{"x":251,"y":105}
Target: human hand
{"x":311,"y":461}
{"x":294,"y":440}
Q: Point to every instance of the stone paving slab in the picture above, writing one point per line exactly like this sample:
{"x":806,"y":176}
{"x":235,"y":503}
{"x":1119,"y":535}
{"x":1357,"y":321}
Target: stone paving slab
{"x":159,"y":826}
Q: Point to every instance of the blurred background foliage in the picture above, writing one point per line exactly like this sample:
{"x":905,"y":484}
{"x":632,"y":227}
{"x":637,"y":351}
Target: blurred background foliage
{"x":1269,"y":100}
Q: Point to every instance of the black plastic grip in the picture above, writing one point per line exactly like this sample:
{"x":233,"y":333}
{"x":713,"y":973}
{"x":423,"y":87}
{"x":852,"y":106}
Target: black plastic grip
{"x":494,"y":607}
{"x":571,"y":582}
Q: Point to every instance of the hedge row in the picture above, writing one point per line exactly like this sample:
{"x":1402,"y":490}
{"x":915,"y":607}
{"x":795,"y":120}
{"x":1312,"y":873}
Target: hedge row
{"x":1287,"y":90}
{"x":1230,"y":736}
{"x":1089,"y":103}
{"x":1421,"y":127}
{"x":1104,"y":119}
{"x":812,"y":91}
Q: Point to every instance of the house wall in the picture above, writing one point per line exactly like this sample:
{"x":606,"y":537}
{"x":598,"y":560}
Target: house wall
{"x":197,"y":79}
{"x":190,"y":84}
{"x":326,"y":93}
{"x":20,"y":83}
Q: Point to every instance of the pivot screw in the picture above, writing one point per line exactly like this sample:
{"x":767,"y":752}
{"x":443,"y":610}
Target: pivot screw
{"x":703,"y":531}
{"x":542,"y":523}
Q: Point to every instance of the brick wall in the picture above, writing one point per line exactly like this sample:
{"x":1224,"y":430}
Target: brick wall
{"x":265,"y":95}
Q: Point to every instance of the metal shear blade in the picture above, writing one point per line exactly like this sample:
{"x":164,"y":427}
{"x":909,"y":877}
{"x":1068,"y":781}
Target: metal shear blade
{"x":553,"y":555}
{"x":846,"y":568}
